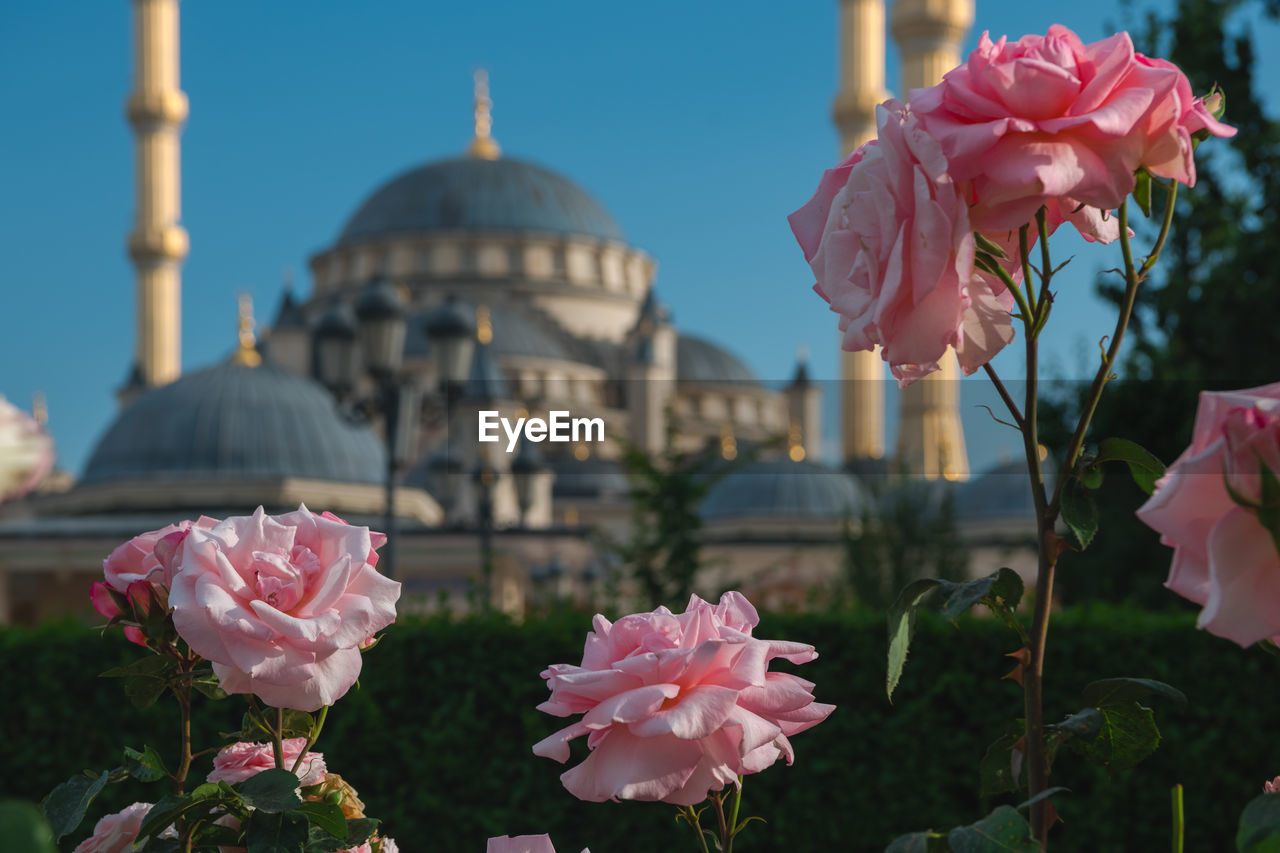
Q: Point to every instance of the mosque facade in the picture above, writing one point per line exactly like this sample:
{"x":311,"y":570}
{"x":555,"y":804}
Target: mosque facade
{"x":566,"y":317}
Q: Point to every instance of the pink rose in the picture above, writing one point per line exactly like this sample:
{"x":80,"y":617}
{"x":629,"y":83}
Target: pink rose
{"x":239,"y":761}
{"x":281,"y":604}
{"x":1272,"y":787}
{"x":522,"y":844}
{"x":676,"y":706}
{"x":888,"y":237}
{"x":115,"y":833}
{"x":139,"y":597}
{"x":1224,"y":557}
{"x":26,"y":452}
{"x":1050,"y":117}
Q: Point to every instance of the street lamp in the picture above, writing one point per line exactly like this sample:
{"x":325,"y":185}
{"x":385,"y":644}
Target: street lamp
{"x":451,"y":329}
{"x":378,"y":325}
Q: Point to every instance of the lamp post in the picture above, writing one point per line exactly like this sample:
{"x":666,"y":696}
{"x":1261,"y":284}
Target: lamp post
{"x":378,"y":325}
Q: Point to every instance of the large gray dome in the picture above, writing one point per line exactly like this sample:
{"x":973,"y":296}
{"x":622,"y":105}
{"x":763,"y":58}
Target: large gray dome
{"x":234,"y":421}
{"x":472,"y":194}
{"x":781,"y":488}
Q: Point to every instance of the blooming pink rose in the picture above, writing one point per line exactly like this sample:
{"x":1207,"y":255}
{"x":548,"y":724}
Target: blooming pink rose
{"x":888,"y":237}
{"x":26,"y":452}
{"x":115,"y":833}
{"x":239,"y":761}
{"x":522,"y":844}
{"x":676,"y":706}
{"x":1051,"y":117}
{"x":281,"y":604}
{"x":1224,"y":557}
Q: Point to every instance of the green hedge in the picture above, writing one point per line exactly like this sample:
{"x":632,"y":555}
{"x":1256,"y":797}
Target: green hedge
{"x":437,"y":739}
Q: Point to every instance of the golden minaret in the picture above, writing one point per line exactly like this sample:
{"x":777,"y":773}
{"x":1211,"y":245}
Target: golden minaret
{"x":483,"y":145}
{"x":861,"y":70}
{"x":929,"y":35}
{"x":157,"y":109}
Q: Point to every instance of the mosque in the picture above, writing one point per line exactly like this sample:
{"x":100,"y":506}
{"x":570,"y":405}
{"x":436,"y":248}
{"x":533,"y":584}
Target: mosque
{"x":522,"y":296}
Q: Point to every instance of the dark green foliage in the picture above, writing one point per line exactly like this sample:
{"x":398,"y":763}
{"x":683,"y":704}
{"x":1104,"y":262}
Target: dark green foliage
{"x":438,"y":738}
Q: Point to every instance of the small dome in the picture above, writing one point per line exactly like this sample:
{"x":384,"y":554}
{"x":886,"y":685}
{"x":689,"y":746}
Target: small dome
{"x":473,"y":194}
{"x":699,"y":360}
{"x":236,"y":421}
{"x":1000,"y":493}
{"x":781,"y":488}
{"x":516,"y":332}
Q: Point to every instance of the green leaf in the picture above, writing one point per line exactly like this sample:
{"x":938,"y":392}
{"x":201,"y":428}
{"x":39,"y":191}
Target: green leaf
{"x":1002,"y":831}
{"x":1080,"y":512}
{"x":154,"y":666}
{"x":327,"y":817}
{"x":1127,"y":735}
{"x":1083,"y":724}
{"x":273,"y":791}
{"x":1091,"y":477}
{"x":1260,"y":826}
{"x":358,"y":832}
{"x":66,"y":804}
{"x":144,"y":690}
{"x":1144,"y":467}
{"x":201,"y":800}
{"x":1044,"y":795}
{"x":1121,"y":691}
{"x":145,"y":766}
{"x":206,"y":683}
{"x":1003,"y":584}
{"x":920,"y":842}
{"x":22,"y":828}
{"x":268,"y":832}
{"x":902,"y":621}
{"x":995,"y":771}
{"x":1142,"y":191}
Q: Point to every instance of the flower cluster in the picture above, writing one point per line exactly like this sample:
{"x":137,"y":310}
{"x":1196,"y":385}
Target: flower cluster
{"x":675,"y":706}
{"x":1218,"y":506}
{"x":1044,"y":122}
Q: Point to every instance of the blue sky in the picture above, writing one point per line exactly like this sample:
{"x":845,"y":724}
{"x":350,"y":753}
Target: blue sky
{"x":699,"y":126}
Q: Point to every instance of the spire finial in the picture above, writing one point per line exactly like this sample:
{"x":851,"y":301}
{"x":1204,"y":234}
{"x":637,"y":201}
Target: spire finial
{"x":40,"y":409}
{"x":247,"y":352}
{"x":483,"y":145}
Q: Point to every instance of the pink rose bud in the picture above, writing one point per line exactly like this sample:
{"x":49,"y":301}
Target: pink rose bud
{"x":1272,"y":787}
{"x":678,"y":705}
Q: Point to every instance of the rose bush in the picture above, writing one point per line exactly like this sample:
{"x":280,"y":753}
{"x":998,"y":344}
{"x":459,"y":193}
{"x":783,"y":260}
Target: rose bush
{"x":675,"y":706}
{"x":1225,"y":547}
{"x":1049,"y":117}
{"x":280,"y":605}
{"x":889,"y":240}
